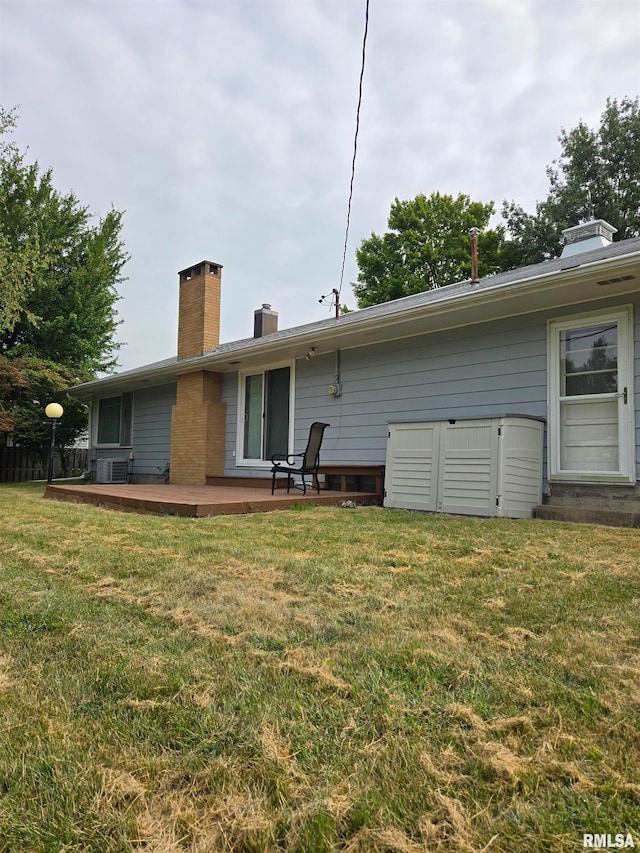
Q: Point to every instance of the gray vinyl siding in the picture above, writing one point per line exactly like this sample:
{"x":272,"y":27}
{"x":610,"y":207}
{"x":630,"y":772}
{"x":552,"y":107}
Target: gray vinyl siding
{"x":477,"y":371}
{"x":151,"y":441}
{"x":230,"y":397}
{"x":493,"y":369}
{"x":480,"y":372}
{"x":152,"y":430}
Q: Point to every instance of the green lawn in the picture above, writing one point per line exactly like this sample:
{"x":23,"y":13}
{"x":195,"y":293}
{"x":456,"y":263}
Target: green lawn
{"x":319,"y":679}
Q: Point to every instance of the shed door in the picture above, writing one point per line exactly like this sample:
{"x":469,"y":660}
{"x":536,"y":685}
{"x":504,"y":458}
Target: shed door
{"x":411,"y":478}
{"x":469,"y":467}
{"x":591,"y":398}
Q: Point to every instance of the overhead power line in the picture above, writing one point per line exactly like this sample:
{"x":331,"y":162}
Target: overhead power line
{"x":355,"y":147}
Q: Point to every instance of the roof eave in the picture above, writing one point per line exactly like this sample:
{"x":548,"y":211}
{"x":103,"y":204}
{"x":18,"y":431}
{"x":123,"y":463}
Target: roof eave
{"x":396,"y":320}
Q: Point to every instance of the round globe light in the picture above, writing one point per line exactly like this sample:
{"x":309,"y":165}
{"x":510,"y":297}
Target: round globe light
{"x":54,"y":410}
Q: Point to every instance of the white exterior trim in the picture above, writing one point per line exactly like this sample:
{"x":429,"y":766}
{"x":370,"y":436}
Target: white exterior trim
{"x":623,"y":316}
{"x":94,"y":419}
{"x":241,"y":462}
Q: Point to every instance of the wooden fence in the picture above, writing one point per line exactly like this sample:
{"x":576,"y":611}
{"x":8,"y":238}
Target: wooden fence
{"x":18,"y":464}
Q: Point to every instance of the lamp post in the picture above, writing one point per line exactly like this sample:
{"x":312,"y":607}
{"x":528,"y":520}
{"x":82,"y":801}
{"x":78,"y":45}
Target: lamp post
{"x":53,"y":411}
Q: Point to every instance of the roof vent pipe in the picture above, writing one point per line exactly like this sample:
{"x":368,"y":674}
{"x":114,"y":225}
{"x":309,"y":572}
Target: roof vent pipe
{"x":473,"y":233}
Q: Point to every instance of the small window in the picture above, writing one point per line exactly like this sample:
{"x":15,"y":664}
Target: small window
{"x":115,"y":420}
{"x":109,"y":421}
{"x":589,"y":360}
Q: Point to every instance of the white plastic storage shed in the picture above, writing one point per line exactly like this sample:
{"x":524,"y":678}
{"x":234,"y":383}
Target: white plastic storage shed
{"x":488,"y":466}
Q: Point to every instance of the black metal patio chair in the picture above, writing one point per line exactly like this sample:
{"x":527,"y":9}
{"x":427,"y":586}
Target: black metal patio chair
{"x":309,"y":461}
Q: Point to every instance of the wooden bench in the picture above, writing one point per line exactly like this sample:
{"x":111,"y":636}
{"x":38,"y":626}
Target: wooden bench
{"x":332,"y":471}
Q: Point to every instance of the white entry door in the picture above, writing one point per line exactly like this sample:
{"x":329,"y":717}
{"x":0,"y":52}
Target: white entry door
{"x":591,"y":398}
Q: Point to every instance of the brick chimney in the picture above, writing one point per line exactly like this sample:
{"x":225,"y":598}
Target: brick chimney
{"x":198,"y":419}
{"x":199,"y":309}
{"x":265,"y":321}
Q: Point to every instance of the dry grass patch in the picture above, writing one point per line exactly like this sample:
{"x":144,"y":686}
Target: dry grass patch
{"x":314,"y":681}
{"x":309,"y":665}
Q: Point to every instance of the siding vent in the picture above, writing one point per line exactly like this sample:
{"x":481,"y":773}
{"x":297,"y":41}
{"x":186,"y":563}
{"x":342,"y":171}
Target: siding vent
{"x":616,"y":280}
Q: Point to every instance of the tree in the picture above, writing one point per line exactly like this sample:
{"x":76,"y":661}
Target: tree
{"x":27,"y":384}
{"x":58,"y":289}
{"x":20,"y":261}
{"x":66,"y":307}
{"x":596,"y":175}
{"x":427,"y":245}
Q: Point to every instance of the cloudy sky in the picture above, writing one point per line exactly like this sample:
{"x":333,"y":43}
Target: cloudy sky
{"x":224,"y":128}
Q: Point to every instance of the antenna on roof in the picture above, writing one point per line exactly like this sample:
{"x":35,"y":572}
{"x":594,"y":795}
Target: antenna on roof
{"x":588,"y":208}
{"x":334,"y":296}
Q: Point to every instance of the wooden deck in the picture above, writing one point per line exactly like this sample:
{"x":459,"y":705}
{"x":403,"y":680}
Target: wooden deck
{"x":198,"y":501}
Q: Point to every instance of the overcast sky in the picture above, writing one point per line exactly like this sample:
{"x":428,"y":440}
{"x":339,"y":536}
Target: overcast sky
{"x":224,"y":128}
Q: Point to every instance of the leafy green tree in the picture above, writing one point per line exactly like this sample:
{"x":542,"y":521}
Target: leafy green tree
{"x":596,"y":175}
{"x":427,"y":245}
{"x":59,"y":271}
{"x":67,"y":304}
{"x":27,"y":385}
{"x":21,"y":260}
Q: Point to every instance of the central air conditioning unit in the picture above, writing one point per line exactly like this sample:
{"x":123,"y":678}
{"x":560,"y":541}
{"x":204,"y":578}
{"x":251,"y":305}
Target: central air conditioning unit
{"x":111,"y":471}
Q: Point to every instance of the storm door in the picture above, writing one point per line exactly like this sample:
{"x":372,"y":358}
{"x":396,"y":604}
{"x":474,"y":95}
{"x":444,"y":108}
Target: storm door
{"x":591,"y":405}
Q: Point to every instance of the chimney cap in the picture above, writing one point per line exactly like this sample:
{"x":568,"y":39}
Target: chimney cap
{"x":210,"y":267}
{"x":595,"y":234}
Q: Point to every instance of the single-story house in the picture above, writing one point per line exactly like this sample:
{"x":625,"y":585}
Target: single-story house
{"x":558,"y":341}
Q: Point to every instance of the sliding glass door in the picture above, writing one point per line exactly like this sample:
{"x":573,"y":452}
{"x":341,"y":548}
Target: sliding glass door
{"x":266,"y":407}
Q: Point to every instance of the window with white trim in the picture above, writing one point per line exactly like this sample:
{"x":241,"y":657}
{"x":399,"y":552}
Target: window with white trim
{"x":115,"y":421}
